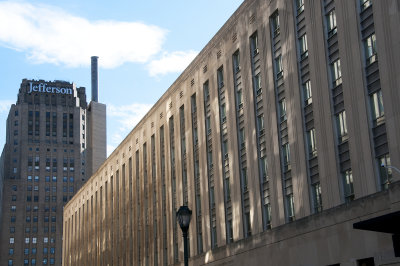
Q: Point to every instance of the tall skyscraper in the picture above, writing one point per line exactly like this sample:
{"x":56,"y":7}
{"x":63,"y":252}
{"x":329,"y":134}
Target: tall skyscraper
{"x":51,"y":135}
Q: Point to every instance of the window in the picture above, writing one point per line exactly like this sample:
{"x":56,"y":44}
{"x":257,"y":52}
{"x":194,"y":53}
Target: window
{"x":45,"y":251}
{"x":206,"y":91}
{"x":282,"y":110}
{"x":223,"y":113}
{"x":34,"y":240}
{"x":385,"y":170}
{"x":239,"y":95}
{"x":12,"y":229}
{"x":317,"y":198}
{"x":33,"y":261}
{"x":312,"y":148}
{"x":33,"y":251}
{"x":36,"y":178}
{"x":286,"y":156}
{"x":210,"y":159}
{"x":225,"y":149}
{"x":264,"y":168}
{"x":45,"y":240}
{"x":260,"y":123}
{"x":307,"y":92}
{"x":336,"y":73}
{"x":331,"y":23}
{"x":220,"y":77}
{"x":45,"y":261}
{"x":341,"y":126}
{"x":10,"y":263}
{"x":267,"y":213}
{"x":11,"y":251}
{"x":370,"y":49}
{"x":13,"y":219}
{"x":279,"y":67}
{"x":347,"y":177}
{"x":11,"y":240}
{"x":230,"y":231}
{"x":236,"y":61}
{"x":378,"y":113}
{"x":13,"y":208}
{"x":257,"y":84}
{"x":52,"y":250}
{"x":52,"y":261}
{"x":290,"y":207}
{"x":299,"y":6}
{"x":242,"y":140}
{"x":244,"y":179}
{"x":26,"y":240}
{"x":254,"y":44}
{"x":275,"y":24}
{"x":365,"y":4}
{"x":14,"y":198}
{"x":28,"y":219}
{"x":208,"y":125}
{"x":303,"y":46}
{"x":227,"y":189}
{"x":212,"y":198}
{"x":248,"y":224}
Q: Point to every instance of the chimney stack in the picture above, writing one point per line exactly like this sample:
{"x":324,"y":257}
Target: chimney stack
{"x":95,"y":79}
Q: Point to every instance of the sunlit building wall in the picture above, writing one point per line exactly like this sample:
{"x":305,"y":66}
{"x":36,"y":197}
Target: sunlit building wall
{"x":275,"y":136}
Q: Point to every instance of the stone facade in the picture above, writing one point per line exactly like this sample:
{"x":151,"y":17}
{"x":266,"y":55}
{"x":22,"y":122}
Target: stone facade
{"x":274,"y":136}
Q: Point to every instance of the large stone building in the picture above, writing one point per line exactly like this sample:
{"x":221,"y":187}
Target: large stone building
{"x":45,"y":160}
{"x":282,"y":136}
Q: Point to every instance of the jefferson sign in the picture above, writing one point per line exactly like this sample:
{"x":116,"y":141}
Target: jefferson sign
{"x":42,"y":87}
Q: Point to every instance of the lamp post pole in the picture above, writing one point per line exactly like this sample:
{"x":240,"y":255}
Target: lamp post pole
{"x":185,"y":248}
{"x":184,"y":214}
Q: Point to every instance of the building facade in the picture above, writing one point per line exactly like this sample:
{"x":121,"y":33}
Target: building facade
{"x":44,"y":162}
{"x":281,"y":136}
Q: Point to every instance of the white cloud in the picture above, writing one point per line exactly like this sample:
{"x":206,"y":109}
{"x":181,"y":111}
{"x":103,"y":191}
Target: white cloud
{"x":51,"y":35}
{"x":171,"y":62}
{"x":5,"y":105}
{"x":124,"y":119}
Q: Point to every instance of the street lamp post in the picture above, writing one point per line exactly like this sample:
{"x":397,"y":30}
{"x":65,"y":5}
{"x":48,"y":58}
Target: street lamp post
{"x":390,"y":167}
{"x":184,"y":214}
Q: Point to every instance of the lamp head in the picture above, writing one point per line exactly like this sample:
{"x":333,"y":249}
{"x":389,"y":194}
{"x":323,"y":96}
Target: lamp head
{"x":184,"y":215}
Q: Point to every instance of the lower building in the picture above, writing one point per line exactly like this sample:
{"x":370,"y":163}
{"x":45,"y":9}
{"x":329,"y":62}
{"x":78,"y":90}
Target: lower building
{"x":281,"y":136}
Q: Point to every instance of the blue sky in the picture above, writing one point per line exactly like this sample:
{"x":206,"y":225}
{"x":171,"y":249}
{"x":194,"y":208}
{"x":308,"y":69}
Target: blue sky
{"x":143,"y":46}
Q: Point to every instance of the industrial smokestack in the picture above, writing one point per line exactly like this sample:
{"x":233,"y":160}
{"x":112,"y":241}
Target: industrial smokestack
{"x":95,"y":79}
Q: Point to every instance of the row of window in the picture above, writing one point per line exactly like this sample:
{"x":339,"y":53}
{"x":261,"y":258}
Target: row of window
{"x":34,"y":240}
{"x":34,"y":229}
{"x":48,"y":179}
{"x":33,"y":251}
{"x":45,"y":261}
